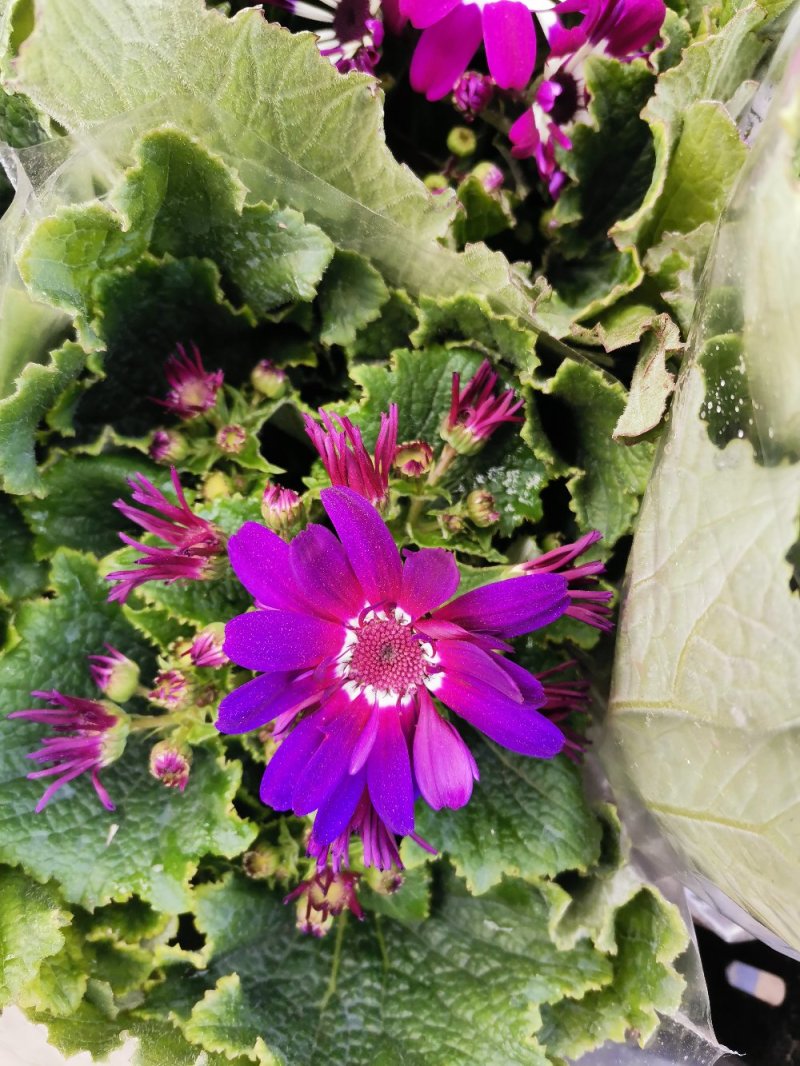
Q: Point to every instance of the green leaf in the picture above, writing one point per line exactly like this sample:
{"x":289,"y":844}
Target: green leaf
{"x":77,"y":510}
{"x":469,"y":321}
{"x":512,"y":473}
{"x":703,"y":167}
{"x":375,"y":991}
{"x":527,"y":818}
{"x":392,"y":330}
{"x":484,"y":215}
{"x":350,"y":297}
{"x":649,"y":935}
{"x":20,"y":574}
{"x":37,"y":390}
{"x":19,"y":122}
{"x":605,"y":495}
{"x":652,"y":383}
{"x":712,"y":69}
{"x":31,"y":920}
{"x":61,"y":983}
{"x":420,"y":383}
{"x":675,"y":265}
{"x":73,"y":840}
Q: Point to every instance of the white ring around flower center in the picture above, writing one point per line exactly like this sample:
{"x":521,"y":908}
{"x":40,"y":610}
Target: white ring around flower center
{"x":383,"y":659}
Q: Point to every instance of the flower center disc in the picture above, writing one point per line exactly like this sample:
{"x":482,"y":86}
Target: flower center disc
{"x":388,"y":657}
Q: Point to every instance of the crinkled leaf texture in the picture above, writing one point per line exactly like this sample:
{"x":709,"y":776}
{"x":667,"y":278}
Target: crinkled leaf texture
{"x":703,"y":719}
{"x":97,"y":856}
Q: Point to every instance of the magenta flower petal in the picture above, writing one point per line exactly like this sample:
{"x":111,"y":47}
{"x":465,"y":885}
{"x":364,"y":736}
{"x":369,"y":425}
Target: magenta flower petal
{"x":260,"y":559}
{"x":334,"y":816}
{"x":389,"y":775}
{"x":510,"y":39}
{"x":510,"y":608}
{"x":462,"y":659}
{"x":424,"y":13}
{"x":444,"y":52}
{"x":516,"y":726}
{"x":368,"y":543}
{"x":430,"y":577}
{"x":280,"y":640}
{"x":328,"y":765}
{"x":264,"y":698}
{"x":443,"y":764}
{"x":529,"y":686}
{"x":319,"y":561}
{"x":288,"y":762}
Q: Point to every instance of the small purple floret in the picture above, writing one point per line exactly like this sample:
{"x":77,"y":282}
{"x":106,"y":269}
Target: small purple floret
{"x":476,"y":412}
{"x":193,"y":390}
{"x":346,"y":459}
{"x":192,"y":542}
{"x":98,"y":737}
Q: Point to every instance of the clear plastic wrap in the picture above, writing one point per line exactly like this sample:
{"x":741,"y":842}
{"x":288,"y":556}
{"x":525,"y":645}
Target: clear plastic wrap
{"x":702,"y":742}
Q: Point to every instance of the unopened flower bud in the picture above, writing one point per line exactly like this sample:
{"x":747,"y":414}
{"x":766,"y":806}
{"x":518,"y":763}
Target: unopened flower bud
{"x":281,"y":509}
{"x":490,"y":176}
{"x":480,"y":508}
{"x":170,"y":764}
{"x":170,"y":689}
{"x":436,"y":183}
{"x":451,"y":524}
{"x":114,"y":674}
{"x":269,"y":379}
{"x":167,"y":446}
{"x":472,"y":93}
{"x":231,"y":439}
{"x":461,"y":141}
{"x":413,"y":458}
{"x":384,"y":882}
{"x":259,"y":864}
{"x":206,"y":648}
{"x":216,"y":486}
{"x":322,"y":897}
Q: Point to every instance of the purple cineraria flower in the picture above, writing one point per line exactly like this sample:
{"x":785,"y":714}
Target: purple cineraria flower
{"x":193,"y":543}
{"x":347,"y":461}
{"x":587,"y":603}
{"x":353,"y":32}
{"x":193,"y":389}
{"x":453,"y":31}
{"x":475,"y":411}
{"x":362,"y":641}
{"x":115,"y":674}
{"x":98,"y":730}
{"x":617,"y":28}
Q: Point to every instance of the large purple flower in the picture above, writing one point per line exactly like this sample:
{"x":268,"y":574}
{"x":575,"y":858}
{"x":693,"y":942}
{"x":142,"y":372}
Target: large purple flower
{"x":364,"y":641}
{"x":353,"y":32}
{"x":453,"y":31}
{"x":618,"y":28}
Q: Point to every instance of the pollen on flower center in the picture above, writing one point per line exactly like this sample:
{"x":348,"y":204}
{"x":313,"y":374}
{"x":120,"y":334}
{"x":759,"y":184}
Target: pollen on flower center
{"x":387,"y":656}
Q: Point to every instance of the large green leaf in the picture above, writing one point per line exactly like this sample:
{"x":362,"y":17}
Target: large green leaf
{"x":31,"y":923}
{"x":38,"y":388}
{"x":465,"y":985}
{"x":605,"y":495}
{"x":527,"y":818}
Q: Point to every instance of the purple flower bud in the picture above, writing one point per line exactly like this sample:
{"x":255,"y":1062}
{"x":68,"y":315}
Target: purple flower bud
{"x":472,"y":93}
{"x":413,"y":458}
{"x":170,"y":764}
{"x":206,"y":648}
{"x":231,"y":439}
{"x":480,"y":508}
{"x":269,"y":379}
{"x":193,"y":389}
{"x":168,"y":446}
{"x":490,"y":176}
{"x":322,"y":897}
{"x":475,"y":411}
{"x":114,"y":674}
{"x":170,"y":689}
{"x":281,"y":509}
